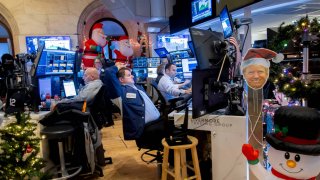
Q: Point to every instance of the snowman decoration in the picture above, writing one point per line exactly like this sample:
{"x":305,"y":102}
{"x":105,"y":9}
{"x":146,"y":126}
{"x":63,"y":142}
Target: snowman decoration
{"x":295,"y":146}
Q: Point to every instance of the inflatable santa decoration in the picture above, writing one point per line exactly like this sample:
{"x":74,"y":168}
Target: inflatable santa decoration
{"x":295,"y":146}
{"x":125,"y":51}
{"x":94,"y":46}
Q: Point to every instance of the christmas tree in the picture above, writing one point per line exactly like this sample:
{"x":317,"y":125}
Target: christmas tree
{"x":19,"y":150}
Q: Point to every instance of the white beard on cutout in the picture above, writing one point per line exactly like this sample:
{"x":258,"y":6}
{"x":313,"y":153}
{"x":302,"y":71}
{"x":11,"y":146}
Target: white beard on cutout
{"x":125,"y":48}
{"x":99,"y":37}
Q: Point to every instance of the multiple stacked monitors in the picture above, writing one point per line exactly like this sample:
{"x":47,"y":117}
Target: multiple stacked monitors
{"x":207,"y":90}
{"x":201,"y":9}
{"x":145,"y":67}
{"x":226,"y":22}
{"x":54,"y":62}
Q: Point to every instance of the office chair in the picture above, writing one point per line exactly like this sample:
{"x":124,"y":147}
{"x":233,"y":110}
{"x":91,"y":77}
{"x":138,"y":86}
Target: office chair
{"x":101,"y":109}
{"x":164,"y":107}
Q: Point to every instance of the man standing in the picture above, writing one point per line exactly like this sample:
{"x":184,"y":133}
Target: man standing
{"x":167,"y":86}
{"x":139,"y":115}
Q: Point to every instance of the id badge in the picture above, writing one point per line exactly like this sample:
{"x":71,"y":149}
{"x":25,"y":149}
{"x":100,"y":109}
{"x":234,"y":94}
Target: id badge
{"x":131,"y":95}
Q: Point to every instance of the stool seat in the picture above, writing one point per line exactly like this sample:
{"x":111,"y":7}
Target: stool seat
{"x":61,"y":132}
{"x":180,"y":164}
{"x":58,"y":131}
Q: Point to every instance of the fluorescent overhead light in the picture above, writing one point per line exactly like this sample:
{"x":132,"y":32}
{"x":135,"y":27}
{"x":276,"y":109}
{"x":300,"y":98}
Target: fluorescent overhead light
{"x":153,"y":29}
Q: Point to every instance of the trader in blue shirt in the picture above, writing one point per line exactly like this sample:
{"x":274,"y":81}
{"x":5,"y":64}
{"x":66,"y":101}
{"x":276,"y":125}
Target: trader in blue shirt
{"x":139,"y":115}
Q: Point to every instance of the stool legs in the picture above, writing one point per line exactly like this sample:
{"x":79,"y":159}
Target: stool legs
{"x":183,"y":164}
{"x":196,"y":163}
{"x":62,"y":162}
{"x":165,"y":164}
{"x":177,"y":173}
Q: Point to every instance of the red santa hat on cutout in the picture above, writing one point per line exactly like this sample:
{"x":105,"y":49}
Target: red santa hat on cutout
{"x":260,"y":56}
{"x":97,"y":26}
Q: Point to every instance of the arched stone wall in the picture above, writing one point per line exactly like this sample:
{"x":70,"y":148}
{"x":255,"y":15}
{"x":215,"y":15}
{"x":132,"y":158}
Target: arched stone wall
{"x":11,"y":25}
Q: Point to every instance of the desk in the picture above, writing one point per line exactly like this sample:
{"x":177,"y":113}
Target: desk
{"x":35,"y":117}
{"x":228,"y":133}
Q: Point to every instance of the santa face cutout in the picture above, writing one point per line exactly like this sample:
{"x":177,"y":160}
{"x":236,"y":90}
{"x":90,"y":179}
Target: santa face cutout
{"x":125,"y":48}
{"x":292,"y":164}
{"x":99,"y":37}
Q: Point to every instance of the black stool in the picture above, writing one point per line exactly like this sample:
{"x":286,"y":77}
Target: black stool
{"x":59,"y":132}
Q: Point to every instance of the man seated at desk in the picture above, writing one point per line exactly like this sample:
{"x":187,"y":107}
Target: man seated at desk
{"x":139,"y":115}
{"x":92,"y":86}
{"x":171,"y":90}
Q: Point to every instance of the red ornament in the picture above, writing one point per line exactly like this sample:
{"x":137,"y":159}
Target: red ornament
{"x":29,"y":149}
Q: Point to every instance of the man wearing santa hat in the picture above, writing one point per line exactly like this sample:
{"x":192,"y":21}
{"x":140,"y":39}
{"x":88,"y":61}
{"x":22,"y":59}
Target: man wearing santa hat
{"x":255,"y":66}
{"x":94,"y":46}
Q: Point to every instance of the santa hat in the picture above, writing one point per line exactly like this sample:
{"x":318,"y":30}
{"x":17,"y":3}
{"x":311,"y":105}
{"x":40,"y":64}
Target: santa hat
{"x":97,"y":26}
{"x":260,"y":56}
{"x":297,"y":129}
{"x":123,"y":38}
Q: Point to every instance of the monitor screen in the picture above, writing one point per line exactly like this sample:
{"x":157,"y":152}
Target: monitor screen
{"x":50,"y":42}
{"x":209,"y":47}
{"x":226,"y":22}
{"x":162,"y":52}
{"x":140,"y":62}
{"x":152,"y":73}
{"x":187,"y":66}
{"x":69,"y":88}
{"x":200,"y":9}
{"x":56,"y":62}
{"x":141,"y":74}
{"x":153,"y":62}
{"x":207,"y":93}
{"x":44,"y":85}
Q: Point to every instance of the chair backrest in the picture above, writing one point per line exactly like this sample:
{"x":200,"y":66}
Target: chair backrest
{"x":101,"y":109}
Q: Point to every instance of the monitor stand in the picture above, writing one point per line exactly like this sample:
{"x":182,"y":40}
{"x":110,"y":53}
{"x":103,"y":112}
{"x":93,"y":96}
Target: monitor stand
{"x":180,"y":135}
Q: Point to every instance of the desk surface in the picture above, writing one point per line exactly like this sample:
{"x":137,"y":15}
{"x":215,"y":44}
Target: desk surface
{"x":228,"y":133}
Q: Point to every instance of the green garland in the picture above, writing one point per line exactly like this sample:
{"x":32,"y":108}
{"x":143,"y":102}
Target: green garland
{"x":287,"y":77}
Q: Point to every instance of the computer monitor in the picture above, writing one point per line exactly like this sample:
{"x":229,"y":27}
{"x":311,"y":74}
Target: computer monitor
{"x":207,"y":93}
{"x":152,"y":73}
{"x":69,"y":89}
{"x":209,"y":47}
{"x":44,"y":85}
{"x":162,"y":52}
{"x":141,"y":74}
{"x":226,"y":22}
{"x":187,"y":66}
{"x":201,"y":9}
{"x":56,"y":62}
